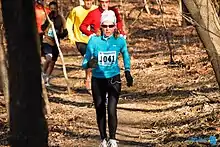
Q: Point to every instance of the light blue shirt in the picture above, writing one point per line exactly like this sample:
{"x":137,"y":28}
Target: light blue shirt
{"x":106,"y":51}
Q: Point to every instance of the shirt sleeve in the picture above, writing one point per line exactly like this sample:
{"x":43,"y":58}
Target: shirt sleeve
{"x":89,"y":52}
{"x":47,"y":10}
{"x":63,"y":22}
{"x":87,"y":22}
{"x":125,"y":55}
{"x":69,"y":24}
{"x":119,"y":21}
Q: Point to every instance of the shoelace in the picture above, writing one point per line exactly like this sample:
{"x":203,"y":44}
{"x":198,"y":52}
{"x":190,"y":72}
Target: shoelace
{"x":112,"y":144}
{"x":103,"y":144}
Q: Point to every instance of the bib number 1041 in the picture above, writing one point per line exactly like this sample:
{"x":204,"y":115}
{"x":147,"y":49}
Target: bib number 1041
{"x":107,"y":58}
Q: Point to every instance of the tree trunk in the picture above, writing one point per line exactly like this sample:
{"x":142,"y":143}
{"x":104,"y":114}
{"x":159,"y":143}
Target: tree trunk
{"x":28,"y":127}
{"x":181,"y":19}
{"x":3,"y":67}
{"x":184,"y":11}
{"x":204,"y":14}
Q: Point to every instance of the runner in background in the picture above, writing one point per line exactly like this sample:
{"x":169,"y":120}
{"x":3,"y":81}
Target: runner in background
{"x":49,"y":45}
{"x":102,"y":56}
{"x":74,"y":20}
{"x":40,"y":18}
{"x":92,"y":20}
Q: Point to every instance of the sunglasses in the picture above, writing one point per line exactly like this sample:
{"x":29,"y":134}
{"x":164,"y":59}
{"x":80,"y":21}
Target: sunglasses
{"x":109,"y":26}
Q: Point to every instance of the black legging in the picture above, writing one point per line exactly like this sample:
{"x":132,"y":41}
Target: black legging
{"x":100,"y":87}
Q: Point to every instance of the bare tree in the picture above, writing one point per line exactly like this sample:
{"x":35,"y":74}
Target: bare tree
{"x":208,"y":26}
{"x":183,"y":10}
{"x":28,"y":125}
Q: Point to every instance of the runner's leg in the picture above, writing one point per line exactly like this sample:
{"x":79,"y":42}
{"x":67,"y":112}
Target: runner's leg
{"x":82,"y":49}
{"x":55,"y":54}
{"x":114,"y":90}
{"x":48,"y":55}
{"x":99,"y":93}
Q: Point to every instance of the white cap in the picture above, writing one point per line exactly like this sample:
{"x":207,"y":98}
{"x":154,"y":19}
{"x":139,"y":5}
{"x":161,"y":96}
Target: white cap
{"x":108,"y":15}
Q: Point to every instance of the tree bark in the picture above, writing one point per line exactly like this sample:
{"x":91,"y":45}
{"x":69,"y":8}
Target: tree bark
{"x":28,"y":126}
{"x":185,"y":11}
{"x":3,"y":66}
{"x":208,"y":29}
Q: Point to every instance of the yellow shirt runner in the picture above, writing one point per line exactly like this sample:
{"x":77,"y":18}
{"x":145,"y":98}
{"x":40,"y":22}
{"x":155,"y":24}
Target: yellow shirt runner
{"x":74,"y":20}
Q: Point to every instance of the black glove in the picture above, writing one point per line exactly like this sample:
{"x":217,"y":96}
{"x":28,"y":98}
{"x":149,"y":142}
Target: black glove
{"x":63,"y":34}
{"x":45,"y":25}
{"x":52,"y":14}
{"x":129,"y":78}
{"x":93,"y":63}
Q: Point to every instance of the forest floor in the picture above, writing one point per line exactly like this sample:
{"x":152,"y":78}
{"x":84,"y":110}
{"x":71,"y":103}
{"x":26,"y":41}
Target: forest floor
{"x":168,"y":104}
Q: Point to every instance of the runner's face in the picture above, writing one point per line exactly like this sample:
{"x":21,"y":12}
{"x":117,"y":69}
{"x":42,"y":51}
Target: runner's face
{"x":53,"y":8}
{"x":88,"y":4}
{"x":108,"y":28}
{"x":104,"y":4}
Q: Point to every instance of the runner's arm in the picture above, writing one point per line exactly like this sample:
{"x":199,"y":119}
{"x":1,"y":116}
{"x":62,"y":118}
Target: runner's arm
{"x":64,"y":32}
{"x":69,"y":25}
{"x":45,"y":25}
{"x":125,"y":55}
{"x":119,"y":21}
{"x":89,"y":53}
{"x":87,"y":22}
{"x":46,"y":22}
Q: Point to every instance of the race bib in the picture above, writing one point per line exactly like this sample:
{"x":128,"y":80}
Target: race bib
{"x":50,"y":33}
{"x":107,"y":58}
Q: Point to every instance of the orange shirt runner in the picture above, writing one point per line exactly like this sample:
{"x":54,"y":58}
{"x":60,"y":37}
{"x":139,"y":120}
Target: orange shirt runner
{"x":40,"y":16}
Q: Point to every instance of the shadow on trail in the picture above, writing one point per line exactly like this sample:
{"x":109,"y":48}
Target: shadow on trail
{"x":164,"y":109}
{"x":67,"y":102}
{"x":60,"y":75}
{"x":63,"y":89}
{"x":135,"y":143}
{"x":68,"y":67}
{"x":169,"y":94}
{"x":193,"y":120}
{"x":74,"y":135}
{"x":190,"y":120}
{"x":174,"y":139}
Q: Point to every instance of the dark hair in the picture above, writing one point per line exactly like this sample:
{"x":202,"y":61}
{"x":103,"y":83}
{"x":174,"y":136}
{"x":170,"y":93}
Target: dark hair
{"x":53,"y":3}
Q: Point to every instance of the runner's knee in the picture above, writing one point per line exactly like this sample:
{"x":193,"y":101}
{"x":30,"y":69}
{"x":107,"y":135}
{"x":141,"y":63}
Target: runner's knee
{"x":49,"y":57}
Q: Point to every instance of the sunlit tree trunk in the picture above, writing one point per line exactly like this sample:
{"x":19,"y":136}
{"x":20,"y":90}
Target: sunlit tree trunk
{"x":205,"y":15}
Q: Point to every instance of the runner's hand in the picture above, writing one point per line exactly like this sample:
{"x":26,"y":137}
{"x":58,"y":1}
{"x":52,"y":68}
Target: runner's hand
{"x":129,"y":78}
{"x":93,"y":63}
